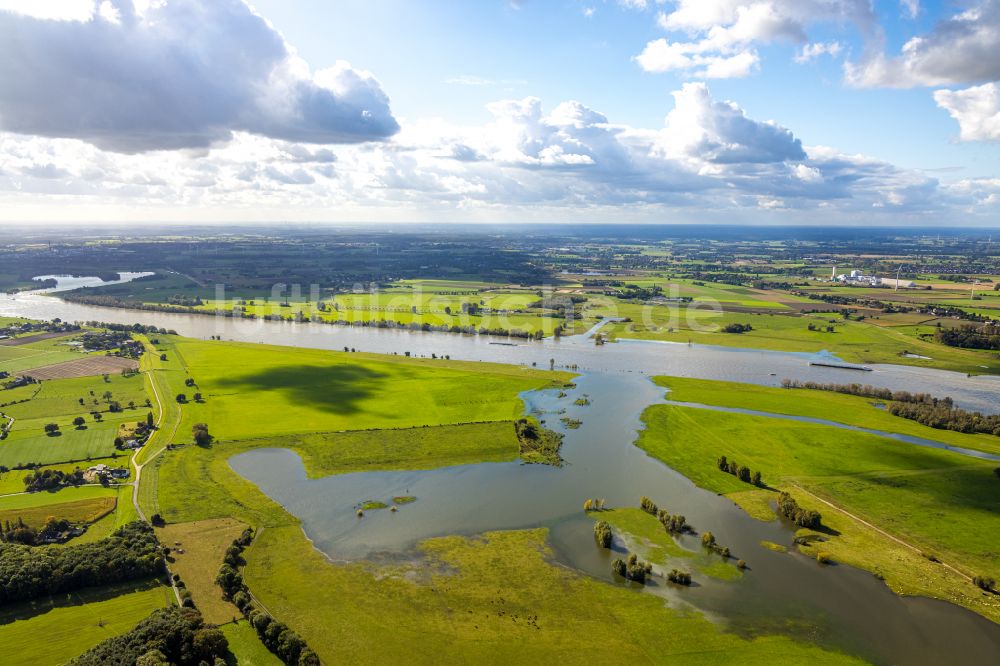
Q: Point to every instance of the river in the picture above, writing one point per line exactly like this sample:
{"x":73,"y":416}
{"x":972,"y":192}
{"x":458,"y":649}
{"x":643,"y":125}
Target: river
{"x":838,"y":607}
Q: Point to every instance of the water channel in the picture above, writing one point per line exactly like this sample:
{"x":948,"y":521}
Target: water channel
{"x":839,"y":607}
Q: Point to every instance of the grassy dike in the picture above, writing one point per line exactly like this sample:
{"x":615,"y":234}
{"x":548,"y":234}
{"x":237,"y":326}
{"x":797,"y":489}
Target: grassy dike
{"x":896,"y":506}
{"x":487,"y":598}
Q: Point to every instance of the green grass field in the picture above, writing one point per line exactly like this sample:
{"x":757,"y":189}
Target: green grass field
{"x":245,"y":647}
{"x":53,"y":631}
{"x":838,"y":407}
{"x":940,"y":502}
{"x":493,"y":598}
{"x":292,"y":390}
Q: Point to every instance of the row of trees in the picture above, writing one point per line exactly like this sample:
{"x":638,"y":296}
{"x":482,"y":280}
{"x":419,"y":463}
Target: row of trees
{"x":672,"y":523}
{"x":868,"y":391}
{"x":924,"y":408}
{"x":168,"y":636}
{"x":790,"y":509}
{"x":276,"y":636}
{"x":130,"y":553}
{"x":741,"y":472}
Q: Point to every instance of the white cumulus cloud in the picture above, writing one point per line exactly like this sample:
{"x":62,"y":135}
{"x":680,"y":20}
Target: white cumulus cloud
{"x":964,"y":48}
{"x":175,"y":74}
{"x":720,"y":36}
{"x":977,"y":110}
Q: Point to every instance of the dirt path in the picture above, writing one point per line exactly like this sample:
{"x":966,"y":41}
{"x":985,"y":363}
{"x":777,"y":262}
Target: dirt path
{"x":879,"y":530}
{"x":139,"y":466}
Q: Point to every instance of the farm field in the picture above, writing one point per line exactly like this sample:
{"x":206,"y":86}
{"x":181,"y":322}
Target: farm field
{"x":82,"y":367}
{"x":941,"y":502}
{"x":72,"y":626}
{"x":204,"y":545}
{"x":87,"y":510}
{"x":60,"y":401}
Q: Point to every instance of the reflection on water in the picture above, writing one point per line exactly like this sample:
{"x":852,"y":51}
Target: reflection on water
{"x":835,"y":606}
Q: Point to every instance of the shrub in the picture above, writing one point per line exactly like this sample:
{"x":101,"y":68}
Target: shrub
{"x":679,"y":577}
{"x":708,"y":539}
{"x":602,"y":533}
{"x":984,"y":583}
{"x":824,"y":558}
{"x":741,"y":564}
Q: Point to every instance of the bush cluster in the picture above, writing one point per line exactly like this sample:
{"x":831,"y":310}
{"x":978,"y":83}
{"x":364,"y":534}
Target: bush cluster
{"x":672,"y":523}
{"x":632,"y":569}
{"x":708,"y":541}
{"x":984,"y":583}
{"x":790,"y":509}
{"x":50,"y":479}
{"x":602,"y":533}
{"x":679,"y":577}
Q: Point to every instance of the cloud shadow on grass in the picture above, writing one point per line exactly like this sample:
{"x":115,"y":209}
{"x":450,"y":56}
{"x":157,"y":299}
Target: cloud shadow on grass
{"x":338,"y":389}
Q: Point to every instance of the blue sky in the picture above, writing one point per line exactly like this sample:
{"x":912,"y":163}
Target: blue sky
{"x":551,"y":50}
{"x":451,"y":111}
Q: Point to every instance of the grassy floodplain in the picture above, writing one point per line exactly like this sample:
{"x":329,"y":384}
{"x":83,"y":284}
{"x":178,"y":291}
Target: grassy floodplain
{"x":342,"y":412}
{"x":839,"y":407}
{"x":451,"y":601}
{"x":853,"y":341}
{"x":493,"y":598}
{"x":941,"y":503}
